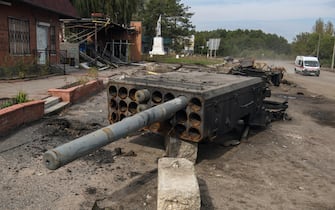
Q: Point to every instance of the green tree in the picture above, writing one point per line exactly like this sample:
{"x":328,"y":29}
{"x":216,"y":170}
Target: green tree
{"x":175,"y":20}
{"x":329,"y":28}
{"x":305,"y":44}
{"x":246,"y":43}
{"x":319,"y":26}
{"x":308,"y":43}
{"x":120,"y":11}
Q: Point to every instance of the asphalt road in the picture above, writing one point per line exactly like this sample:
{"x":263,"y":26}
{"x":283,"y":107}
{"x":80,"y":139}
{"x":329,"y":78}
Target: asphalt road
{"x":322,"y":85}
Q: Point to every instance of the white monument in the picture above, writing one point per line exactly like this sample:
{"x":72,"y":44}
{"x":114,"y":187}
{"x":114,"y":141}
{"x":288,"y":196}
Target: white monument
{"x":158,"y":47}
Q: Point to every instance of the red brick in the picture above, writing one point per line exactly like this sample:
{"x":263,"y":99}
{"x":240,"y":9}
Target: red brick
{"x":33,"y":15}
{"x":77,"y":93}
{"x":19,"y":114}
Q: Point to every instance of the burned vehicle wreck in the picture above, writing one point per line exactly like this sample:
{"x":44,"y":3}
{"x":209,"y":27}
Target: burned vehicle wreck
{"x":185,"y":106}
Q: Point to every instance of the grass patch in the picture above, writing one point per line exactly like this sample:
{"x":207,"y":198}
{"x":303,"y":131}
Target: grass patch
{"x":197,"y":60}
{"x":21,"y":97}
{"x":7,"y":103}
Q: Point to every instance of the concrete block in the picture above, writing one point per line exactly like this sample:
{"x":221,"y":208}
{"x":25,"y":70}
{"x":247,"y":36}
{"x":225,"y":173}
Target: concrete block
{"x":178,"y":187}
{"x":181,"y":149}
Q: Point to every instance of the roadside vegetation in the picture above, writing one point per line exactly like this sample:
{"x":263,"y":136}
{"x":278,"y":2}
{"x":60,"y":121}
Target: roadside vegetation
{"x":21,"y":97}
{"x":244,"y":43}
{"x":320,"y":42}
{"x":257,"y":44}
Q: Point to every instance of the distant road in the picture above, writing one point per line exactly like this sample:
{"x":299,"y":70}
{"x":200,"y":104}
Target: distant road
{"x":322,"y":85}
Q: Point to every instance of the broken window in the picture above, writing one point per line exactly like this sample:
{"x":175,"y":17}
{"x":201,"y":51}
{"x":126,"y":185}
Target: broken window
{"x":19,"y":36}
{"x":53,"y":40}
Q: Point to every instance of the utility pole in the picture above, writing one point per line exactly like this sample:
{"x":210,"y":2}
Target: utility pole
{"x":332,"y":66}
{"x":96,"y":42}
{"x":318,"y":50}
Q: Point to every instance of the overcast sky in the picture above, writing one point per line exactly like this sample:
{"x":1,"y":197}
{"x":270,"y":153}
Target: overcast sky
{"x":285,"y":18}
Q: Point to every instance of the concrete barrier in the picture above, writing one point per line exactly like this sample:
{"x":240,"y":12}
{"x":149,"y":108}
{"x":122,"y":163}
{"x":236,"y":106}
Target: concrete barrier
{"x":178,"y":187}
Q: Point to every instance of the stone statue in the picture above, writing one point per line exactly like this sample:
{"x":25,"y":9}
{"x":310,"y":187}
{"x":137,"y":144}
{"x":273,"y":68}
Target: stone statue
{"x":158,"y":45}
{"x":159,"y":27}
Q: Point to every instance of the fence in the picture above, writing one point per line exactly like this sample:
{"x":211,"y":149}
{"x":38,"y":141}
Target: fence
{"x":37,"y":63}
{"x":52,"y":58}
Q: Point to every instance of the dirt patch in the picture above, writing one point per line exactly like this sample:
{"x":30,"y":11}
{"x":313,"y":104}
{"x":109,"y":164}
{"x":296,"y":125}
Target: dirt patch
{"x":324,"y":117}
{"x":66,"y":127}
{"x":100,"y":157}
{"x":317,"y":106}
{"x":141,"y":193}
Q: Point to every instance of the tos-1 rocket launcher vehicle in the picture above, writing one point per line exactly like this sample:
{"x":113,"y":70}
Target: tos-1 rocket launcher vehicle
{"x":190,"y":106}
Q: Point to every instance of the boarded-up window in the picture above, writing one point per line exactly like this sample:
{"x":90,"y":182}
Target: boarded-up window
{"x":53,"y":40}
{"x":19,"y":36}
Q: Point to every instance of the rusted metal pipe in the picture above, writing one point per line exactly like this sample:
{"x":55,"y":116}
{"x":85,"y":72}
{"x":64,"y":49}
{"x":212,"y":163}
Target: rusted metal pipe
{"x":84,"y":145}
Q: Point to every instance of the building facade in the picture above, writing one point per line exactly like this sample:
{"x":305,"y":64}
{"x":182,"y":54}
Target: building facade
{"x":30,"y":30}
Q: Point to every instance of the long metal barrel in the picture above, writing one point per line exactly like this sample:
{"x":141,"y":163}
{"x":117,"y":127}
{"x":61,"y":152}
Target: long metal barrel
{"x":84,"y":145}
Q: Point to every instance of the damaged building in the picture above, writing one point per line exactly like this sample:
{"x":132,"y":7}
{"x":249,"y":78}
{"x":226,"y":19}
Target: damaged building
{"x":100,"y":41}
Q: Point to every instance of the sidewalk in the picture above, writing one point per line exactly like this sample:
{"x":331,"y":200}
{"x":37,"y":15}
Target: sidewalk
{"x":38,"y":88}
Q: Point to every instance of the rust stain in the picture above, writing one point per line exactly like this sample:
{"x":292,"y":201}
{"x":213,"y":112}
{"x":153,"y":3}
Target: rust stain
{"x":109,"y":133}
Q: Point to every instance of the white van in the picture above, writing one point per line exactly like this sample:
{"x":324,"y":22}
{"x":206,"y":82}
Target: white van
{"x":307,"y":65}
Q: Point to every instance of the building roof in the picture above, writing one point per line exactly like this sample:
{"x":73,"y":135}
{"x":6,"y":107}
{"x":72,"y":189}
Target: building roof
{"x":61,"y":7}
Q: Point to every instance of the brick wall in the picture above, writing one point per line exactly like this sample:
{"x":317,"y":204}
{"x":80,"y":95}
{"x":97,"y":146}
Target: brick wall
{"x":136,"y":49}
{"x":24,"y":12}
{"x":86,"y":90}
{"x":79,"y":92}
{"x":18,"y":114}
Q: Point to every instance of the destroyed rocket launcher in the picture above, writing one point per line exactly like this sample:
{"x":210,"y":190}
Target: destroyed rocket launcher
{"x":190,"y":106}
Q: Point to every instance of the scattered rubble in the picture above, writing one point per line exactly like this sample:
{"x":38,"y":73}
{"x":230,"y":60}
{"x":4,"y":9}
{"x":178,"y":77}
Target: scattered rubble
{"x":248,"y":67}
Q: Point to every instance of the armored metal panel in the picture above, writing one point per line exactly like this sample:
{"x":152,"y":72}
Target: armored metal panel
{"x":215,"y":101}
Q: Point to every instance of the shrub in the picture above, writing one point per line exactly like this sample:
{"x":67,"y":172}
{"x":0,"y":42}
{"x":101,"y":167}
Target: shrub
{"x":21,"y":97}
